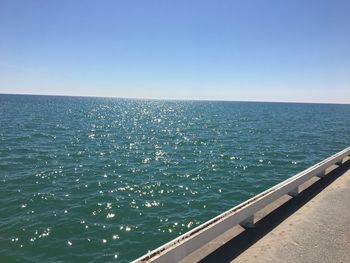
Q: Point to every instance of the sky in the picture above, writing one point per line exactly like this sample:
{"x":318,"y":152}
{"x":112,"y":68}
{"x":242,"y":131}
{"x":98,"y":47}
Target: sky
{"x":271,"y":50}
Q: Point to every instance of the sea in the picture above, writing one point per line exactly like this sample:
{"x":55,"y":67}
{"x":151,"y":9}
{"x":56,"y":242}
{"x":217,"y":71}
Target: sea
{"x":87,"y":179}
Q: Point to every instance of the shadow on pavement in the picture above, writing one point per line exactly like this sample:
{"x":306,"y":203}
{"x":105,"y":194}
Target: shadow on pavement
{"x":240,"y":243}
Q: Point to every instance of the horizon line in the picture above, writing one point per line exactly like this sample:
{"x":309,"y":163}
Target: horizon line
{"x":173,"y":99}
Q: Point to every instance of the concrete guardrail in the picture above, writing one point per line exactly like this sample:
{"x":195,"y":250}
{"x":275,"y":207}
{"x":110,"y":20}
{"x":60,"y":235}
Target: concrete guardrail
{"x":242,"y":214}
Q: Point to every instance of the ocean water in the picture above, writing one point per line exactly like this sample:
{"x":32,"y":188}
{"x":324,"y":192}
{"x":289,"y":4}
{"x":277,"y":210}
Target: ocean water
{"x":100,"y":180}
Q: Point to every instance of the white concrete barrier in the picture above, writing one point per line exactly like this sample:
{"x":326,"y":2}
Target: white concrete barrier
{"x":243,"y":213}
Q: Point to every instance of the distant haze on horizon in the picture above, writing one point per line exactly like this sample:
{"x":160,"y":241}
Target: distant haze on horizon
{"x":295,"y":51}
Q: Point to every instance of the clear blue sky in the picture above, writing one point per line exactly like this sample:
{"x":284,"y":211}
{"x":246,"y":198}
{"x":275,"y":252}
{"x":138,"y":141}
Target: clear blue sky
{"x":296,"y":50}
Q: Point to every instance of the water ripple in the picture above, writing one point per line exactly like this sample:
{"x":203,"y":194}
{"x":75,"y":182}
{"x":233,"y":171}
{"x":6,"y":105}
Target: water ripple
{"x":86,"y":179}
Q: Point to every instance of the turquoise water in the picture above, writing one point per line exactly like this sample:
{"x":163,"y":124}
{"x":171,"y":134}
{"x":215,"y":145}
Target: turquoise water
{"x":97,"y":180}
